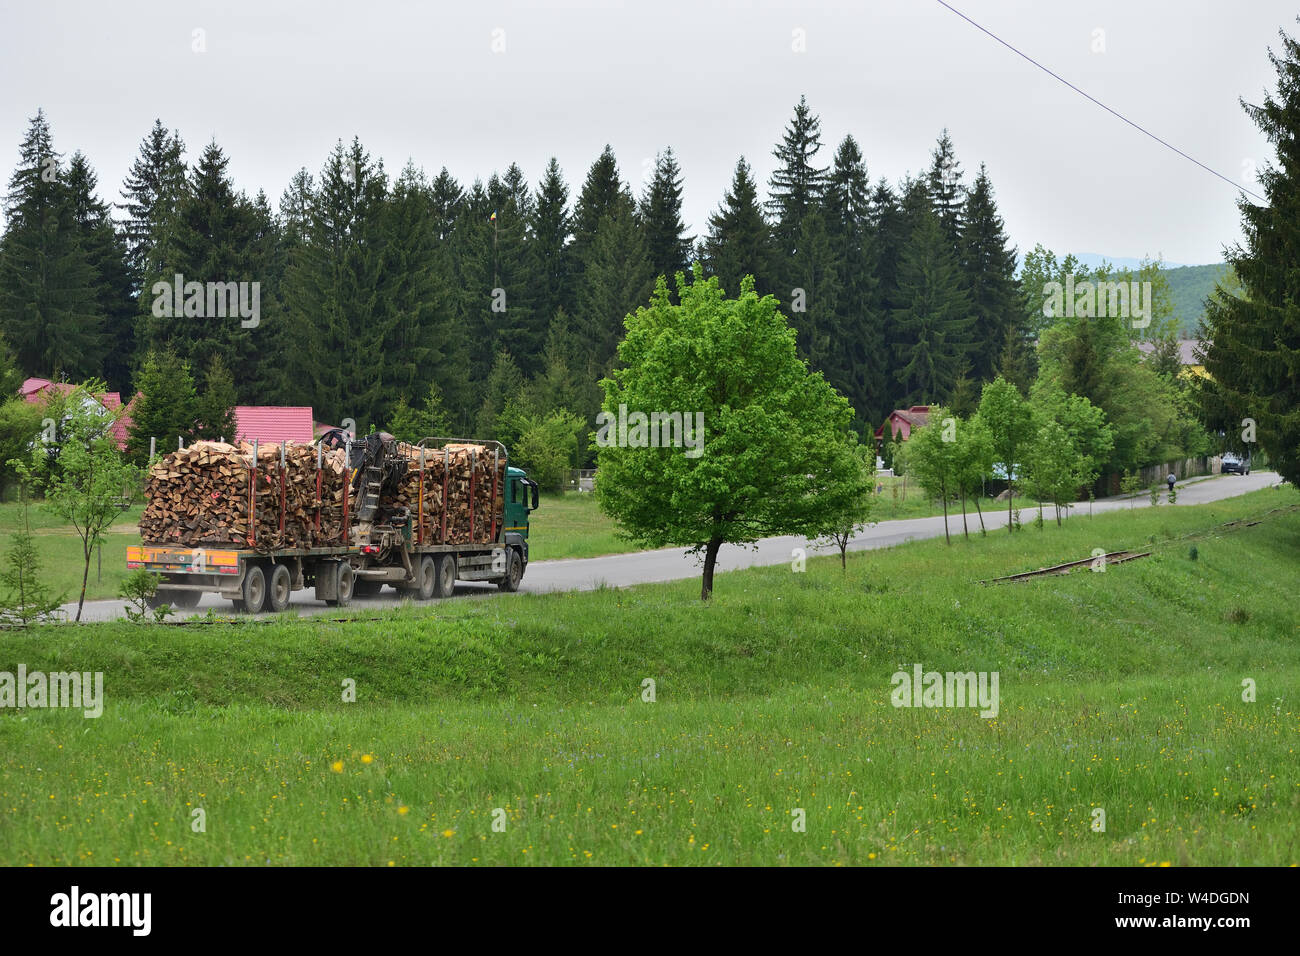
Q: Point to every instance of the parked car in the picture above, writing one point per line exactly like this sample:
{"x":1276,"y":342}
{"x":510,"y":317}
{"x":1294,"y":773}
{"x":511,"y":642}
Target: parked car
{"x":1233,"y":464}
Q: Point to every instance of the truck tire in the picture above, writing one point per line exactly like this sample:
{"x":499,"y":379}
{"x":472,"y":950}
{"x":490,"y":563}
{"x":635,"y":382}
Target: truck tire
{"x":181,"y":600}
{"x":343,"y":590}
{"x":279,"y":588}
{"x":444,"y":579}
{"x":426,"y":579}
{"x":514,"y":572}
{"x":253,"y":591}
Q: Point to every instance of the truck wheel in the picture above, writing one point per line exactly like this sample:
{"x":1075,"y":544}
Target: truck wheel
{"x":181,"y":600}
{"x":344,"y":587}
{"x":426,"y":579}
{"x":514,"y":572}
{"x":279,"y":589}
{"x":253,"y":594}
{"x":444,"y":584}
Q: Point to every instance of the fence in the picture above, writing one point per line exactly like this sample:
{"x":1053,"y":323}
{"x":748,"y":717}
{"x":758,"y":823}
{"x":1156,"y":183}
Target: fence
{"x":1156,"y":474}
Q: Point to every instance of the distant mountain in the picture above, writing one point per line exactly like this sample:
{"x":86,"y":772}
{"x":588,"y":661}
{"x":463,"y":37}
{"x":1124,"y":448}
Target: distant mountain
{"x":1092,"y":260}
{"x":1190,"y":285}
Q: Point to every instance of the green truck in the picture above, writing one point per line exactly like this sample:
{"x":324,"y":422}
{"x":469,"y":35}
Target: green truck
{"x":384,"y":547}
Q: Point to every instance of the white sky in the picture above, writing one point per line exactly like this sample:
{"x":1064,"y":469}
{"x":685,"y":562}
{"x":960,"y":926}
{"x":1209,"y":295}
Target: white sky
{"x":280,"y":82}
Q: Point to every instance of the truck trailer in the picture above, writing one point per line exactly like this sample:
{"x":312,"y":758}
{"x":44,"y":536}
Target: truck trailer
{"x":383,"y":544}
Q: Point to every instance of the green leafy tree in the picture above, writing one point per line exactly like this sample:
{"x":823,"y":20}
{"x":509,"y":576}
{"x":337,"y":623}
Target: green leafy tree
{"x":931,"y":457}
{"x":1010,"y":422}
{"x":974,"y":464}
{"x":850,"y":501}
{"x":92,"y":483}
{"x":548,"y":445}
{"x":774,"y":446}
{"x":20,"y":426}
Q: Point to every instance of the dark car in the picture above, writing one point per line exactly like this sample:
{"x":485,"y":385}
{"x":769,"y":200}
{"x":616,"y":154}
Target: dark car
{"x":1234,"y":464}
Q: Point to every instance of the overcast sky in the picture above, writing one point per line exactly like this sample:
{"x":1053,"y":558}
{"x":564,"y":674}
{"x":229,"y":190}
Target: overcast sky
{"x":279,"y":83}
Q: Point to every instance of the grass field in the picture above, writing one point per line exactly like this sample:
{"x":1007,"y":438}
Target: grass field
{"x":62,"y":561}
{"x":1120,"y":691}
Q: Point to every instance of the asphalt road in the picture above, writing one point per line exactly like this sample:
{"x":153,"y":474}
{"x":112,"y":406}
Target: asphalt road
{"x":620,"y":570}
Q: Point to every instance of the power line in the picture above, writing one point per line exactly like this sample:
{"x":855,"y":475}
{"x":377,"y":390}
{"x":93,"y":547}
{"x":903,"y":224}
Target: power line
{"x":1140,"y":129}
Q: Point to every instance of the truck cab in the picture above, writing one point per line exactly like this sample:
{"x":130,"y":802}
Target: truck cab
{"x":521,"y":500}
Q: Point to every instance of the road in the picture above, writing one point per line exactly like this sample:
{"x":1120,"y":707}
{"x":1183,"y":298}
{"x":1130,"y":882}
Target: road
{"x":641,"y":567}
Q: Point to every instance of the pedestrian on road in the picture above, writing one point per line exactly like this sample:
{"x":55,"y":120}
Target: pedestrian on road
{"x":1170,"y":481}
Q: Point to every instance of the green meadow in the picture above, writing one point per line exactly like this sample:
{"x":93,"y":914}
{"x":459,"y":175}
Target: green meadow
{"x":519,"y":729}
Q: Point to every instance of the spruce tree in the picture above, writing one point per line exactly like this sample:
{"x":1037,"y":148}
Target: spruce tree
{"x":48,"y":307}
{"x":857,"y":318}
{"x":214,"y":405}
{"x":989,"y":264}
{"x":796,"y":186}
{"x":667,"y":245}
{"x":603,"y":194}
{"x":933,"y":320}
{"x":154,"y":182}
{"x":551,"y":256}
{"x":213,"y":236}
{"x":107,"y":254}
{"x":1253,"y":355}
{"x":167,"y":408}
{"x":946,"y":191}
{"x":739,"y":242}
{"x":616,"y":279}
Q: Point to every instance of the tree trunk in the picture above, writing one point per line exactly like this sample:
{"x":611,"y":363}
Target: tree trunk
{"x":943,"y":493}
{"x":1011,"y":496}
{"x":980,"y":512}
{"x":710,"y":559}
{"x":965,"y":530}
{"x":85,"y":575}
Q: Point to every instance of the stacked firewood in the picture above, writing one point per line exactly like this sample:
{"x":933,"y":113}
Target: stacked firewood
{"x":465,"y":466}
{"x":199,"y":496}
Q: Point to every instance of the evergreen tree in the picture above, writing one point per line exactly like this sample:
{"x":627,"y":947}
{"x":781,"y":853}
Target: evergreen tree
{"x":946,"y":191}
{"x":989,"y":265}
{"x":1254,"y":351}
{"x":932,"y":323}
{"x":603,"y":194}
{"x":504,"y":383}
{"x":214,"y":406}
{"x":154,"y":182}
{"x":48,"y":307}
{"x":739,"y":242}
{"x":796,"y":185}
{"x":214,"y":236}
{"x":334,"y":306}
{"x":859,"y":363}
{"x":616,"y":279}
{"x":106,"y":253}
{"x":167,"y":408}
{"x":667,"y":245}
{"x":551,"y":256}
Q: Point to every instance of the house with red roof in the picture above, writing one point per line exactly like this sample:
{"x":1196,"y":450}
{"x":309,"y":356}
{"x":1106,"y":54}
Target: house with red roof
{"x":272,"y":424}
{"x":900,"y":423}
{"x":38,"y":390}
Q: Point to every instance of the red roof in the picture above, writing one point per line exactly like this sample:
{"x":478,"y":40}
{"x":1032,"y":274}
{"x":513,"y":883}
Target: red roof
{"x":273,"y":423}
{"x":36,"y":390}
